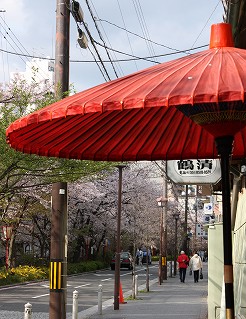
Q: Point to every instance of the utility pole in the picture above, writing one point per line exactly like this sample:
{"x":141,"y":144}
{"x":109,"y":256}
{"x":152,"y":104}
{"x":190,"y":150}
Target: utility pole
{"x":58,"y":252}
{"x":58,"y":249}
{"x":62,"y":48}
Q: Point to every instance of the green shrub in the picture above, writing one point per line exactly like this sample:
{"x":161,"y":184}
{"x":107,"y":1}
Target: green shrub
{"x":155,"y":258}
{"x":31,"y":260}
{"x":85,"y":266}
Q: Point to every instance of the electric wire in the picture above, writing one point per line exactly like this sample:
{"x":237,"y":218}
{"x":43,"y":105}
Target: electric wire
{"x":21,"y":55}
{"x":117,"y":64}
{"x":97,"y":62}
{"x":2,"y":56}
{"x":126,"y":32}
{"x":95,"y":48}
{"x":143,"y":26}
{"x":20,"y":46}
{"x":205,"y":24}
{"x":118,"y":60}
{"x":134,"y":56}
{"x":101,"y":37}
{"x":139,"y":36}
{"x":103,"y":68}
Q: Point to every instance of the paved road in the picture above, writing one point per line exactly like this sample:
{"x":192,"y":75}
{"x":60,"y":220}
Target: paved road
{"x":13,"y":299}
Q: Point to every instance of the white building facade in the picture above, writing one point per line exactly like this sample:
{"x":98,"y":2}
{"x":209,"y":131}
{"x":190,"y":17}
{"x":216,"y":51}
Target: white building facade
{"x":39,"y":71}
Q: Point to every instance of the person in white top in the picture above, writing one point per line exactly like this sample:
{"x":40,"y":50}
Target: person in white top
{"x":140,"y":257}
{"x":196,"y":266}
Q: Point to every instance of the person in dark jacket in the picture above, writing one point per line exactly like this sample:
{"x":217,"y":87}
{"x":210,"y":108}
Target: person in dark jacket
{"x":183,"y":261}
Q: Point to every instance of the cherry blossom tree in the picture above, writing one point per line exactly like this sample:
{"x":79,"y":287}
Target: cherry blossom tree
{"x":93,"y":211}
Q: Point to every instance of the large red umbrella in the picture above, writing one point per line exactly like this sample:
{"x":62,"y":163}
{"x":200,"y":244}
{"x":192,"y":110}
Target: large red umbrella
{"x":136,"y":118}
{"x":192,"y":107}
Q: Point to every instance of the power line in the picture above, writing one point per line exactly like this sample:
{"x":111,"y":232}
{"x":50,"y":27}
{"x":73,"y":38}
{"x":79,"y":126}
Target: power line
{"x":95,"y":48}
{"x":101,"y":37}
{"x":107,"y":61}
{"x":97,"y":62}
{"x":134,"y":56}
{"x":143,"y":26}
{"x":120,"y":70}
{"x":139,"y":36}
{"x":206,"y":23}
{"x":126,"y":32}
{"x":19,"y":45}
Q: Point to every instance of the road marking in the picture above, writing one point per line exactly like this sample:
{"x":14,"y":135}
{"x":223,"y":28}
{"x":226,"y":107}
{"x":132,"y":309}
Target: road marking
{"x":106,"y":279}
{"x":82,"y":286}
{"x":40,"y":296}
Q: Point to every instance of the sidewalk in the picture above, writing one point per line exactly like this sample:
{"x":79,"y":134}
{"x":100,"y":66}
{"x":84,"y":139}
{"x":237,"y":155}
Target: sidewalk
{"x":171,"y":300}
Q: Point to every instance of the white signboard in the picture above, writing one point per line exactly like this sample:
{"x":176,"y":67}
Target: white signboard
{"x":194,"y":171}
{"x":200,"y":232}
{"x":208,"y":208}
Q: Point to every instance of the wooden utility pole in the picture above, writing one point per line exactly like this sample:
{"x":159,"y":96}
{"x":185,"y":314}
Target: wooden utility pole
{"x":58,"y":252}
{"x":58,"y":249}
{"x":62,"y":48}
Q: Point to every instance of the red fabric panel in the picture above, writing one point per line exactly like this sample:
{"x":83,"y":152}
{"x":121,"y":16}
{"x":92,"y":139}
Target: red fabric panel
{"x":135,"y":117}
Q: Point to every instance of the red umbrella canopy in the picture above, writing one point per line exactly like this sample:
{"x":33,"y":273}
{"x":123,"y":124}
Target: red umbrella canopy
{"x":170,"y":111}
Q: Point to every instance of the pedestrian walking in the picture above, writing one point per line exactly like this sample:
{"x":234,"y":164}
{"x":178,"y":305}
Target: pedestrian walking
{"x":183,"y":261}
{"x":196,"y":266}
{"x":140,"y":257}
{"x":137,"y":257}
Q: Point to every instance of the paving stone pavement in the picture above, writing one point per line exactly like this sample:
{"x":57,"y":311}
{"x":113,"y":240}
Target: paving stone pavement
{"x":171,"y":300}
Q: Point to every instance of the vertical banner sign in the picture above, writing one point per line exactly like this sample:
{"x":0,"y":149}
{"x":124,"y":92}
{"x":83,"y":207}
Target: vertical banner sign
{"x":55,"y":275}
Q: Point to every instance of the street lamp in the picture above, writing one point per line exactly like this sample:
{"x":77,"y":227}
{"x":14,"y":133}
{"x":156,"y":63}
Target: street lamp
{"x":189,"y":235}
{"x":176,"y":217}
{"x":117,"y":258}
{"x":7,"y":233}
{"x":163,"y":240}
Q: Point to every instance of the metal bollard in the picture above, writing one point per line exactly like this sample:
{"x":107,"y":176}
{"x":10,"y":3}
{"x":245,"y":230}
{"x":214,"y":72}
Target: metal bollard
{"x":100,"y":299}
{"x":136,"y":285}
{"x":28,"y":311}
{"x":171,"y":268}
{"x":75,"y":304}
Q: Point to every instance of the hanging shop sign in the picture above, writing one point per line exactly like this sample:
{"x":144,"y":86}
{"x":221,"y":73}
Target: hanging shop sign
{"x":192,"y":171}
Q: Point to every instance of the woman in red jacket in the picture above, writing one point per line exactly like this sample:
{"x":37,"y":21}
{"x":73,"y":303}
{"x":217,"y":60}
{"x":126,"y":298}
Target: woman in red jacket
{"x":183,"y":261}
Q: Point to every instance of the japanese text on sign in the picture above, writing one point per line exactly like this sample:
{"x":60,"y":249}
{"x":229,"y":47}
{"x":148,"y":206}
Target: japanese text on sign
{"x":190,"y":167}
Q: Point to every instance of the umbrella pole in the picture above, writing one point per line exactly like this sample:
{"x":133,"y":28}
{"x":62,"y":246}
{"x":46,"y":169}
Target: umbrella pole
{"x":224,"y":147}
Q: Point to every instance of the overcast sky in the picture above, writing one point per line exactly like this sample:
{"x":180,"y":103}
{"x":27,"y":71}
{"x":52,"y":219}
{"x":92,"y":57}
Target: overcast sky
{"x":170,"y":25}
